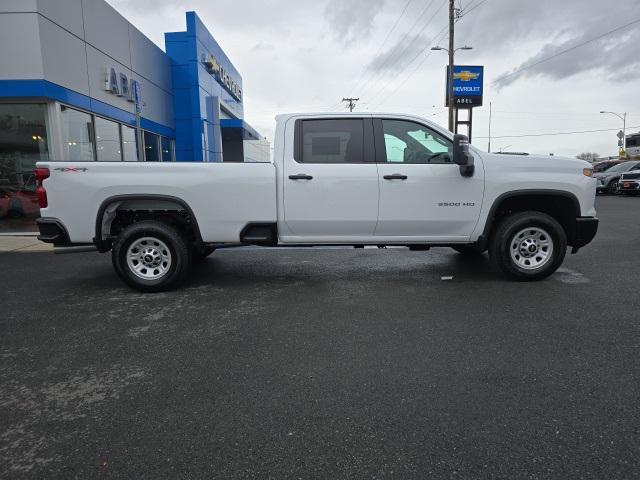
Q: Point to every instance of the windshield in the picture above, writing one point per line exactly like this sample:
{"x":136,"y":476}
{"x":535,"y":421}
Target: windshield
{"x":621,"y":167}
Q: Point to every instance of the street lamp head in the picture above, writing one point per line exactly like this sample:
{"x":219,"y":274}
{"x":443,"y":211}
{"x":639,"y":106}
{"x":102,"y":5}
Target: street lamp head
{"x":437,"y":48}
{"x":466,"y":47}
{"x":602,"y":111}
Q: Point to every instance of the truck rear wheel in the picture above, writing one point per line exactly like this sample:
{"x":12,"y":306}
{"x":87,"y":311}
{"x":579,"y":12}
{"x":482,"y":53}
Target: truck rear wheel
{"x":528,"y":246}
{"x":151,"y":256}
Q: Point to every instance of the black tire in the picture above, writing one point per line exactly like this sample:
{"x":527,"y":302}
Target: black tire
{"x":612,"y":188}
{"x":199,"y":254}
{"x":504,"y":240}
{"x":176,"y":257}
{"x":468,"y":250}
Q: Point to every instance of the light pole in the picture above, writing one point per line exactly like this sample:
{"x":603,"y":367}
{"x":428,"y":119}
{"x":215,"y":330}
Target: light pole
{"x":451,"y":51}
{"x":622,"y":117}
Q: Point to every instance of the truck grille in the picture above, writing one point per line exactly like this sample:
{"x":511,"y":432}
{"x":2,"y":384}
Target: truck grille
{"x":630,"y":176}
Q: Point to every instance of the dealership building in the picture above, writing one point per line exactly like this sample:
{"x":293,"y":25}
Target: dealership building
{"x":80,"y":83}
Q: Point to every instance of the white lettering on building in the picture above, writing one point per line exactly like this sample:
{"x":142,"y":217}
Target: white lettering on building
{"x":119,"y":84}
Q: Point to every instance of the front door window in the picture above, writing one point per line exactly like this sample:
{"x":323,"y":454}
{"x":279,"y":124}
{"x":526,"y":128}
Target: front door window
{"x":408,"y":142}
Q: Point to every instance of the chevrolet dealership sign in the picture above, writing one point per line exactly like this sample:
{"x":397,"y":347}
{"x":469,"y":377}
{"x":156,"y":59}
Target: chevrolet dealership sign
{"x":214,"y":68}
{"x":467,"y":86}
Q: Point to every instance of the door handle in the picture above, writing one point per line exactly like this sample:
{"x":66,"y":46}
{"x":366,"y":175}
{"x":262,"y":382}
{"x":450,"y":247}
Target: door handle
{"x":395,"y":176}
{"x":300,"y":176}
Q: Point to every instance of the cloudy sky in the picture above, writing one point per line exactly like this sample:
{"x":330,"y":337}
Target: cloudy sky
{"x":302,"y":55}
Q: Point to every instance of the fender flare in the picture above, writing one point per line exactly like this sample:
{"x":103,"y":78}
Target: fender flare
{"x":102,"y":245}
{"x":490,"y":221}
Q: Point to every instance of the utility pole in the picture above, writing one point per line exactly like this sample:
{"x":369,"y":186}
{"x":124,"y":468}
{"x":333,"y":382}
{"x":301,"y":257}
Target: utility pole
{"x":352,"y":103}
{"x":489,"y":146}
{"x":452,"y":15}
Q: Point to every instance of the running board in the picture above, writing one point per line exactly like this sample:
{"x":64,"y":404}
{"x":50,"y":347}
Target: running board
{"x":74,"y":249}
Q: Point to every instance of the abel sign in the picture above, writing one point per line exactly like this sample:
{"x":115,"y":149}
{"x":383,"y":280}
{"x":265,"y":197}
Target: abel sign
{"x":119,"y":84}
{"x":467,"y":85}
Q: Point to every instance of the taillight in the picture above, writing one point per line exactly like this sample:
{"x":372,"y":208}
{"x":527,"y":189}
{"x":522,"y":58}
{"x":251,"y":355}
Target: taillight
{"x":41,"y":174}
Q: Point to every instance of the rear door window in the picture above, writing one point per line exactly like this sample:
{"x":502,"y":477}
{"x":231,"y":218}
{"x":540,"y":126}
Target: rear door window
{"x":332,"y":141}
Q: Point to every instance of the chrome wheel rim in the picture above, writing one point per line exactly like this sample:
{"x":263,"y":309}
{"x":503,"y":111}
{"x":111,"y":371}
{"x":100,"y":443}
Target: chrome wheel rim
{"x":149,"y":258}
{"x":531,"y":248}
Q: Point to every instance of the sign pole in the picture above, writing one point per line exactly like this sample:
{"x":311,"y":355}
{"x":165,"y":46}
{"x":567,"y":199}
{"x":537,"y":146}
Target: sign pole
{"x":489,"y":146}
{"x":138,"y":103}
{"x":451,"y":53}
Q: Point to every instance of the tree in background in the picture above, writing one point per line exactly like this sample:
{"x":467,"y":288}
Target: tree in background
{"x":588,"y":156}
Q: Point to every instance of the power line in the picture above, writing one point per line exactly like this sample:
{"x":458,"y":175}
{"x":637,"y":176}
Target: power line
{"x":466,"y":12}
{"x":443,"y":33}
{"x":415,"y":56}
{"x":385,"y":40}
{"x":395,"y":57}
{"x":557,"y":133}
{"x":440,"y":35}
{"x":526,"y":67}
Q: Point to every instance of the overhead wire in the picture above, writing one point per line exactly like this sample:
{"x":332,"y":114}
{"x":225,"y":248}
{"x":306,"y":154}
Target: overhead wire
{"x":562,"y":52}
{"x":406,"y":6}
{"x":394,"y":57}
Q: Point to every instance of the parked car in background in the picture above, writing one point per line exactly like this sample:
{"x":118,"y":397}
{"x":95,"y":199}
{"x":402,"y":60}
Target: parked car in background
{"x":629,"y":183}
{"x":19,"y":202}
{"x":604,"y":165}
{"x":609,"y":179}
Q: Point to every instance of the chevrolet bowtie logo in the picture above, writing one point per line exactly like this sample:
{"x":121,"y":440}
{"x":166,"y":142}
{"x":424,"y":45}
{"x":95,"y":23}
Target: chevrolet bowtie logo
{"x":465,"y":76}
{"x":211,"y":64}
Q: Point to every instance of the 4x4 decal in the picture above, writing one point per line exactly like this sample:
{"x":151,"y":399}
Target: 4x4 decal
{"x":70,"y":169}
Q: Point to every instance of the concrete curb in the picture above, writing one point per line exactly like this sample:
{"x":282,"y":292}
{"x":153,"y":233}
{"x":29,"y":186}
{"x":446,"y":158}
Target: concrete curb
{"x":12,"y":243}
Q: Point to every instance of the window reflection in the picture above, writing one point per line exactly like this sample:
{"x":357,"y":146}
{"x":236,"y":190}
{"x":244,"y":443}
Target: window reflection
{"x":129,"y":144}
{"x":165,"y":145}
{"x":77,"y":135}
{"x":23,"y":142}
{"x":151,"y":153}
{"x":107,"y":140}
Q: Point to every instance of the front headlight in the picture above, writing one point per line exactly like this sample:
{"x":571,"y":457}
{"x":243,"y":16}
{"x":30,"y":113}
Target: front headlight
{"x":587,"y":172}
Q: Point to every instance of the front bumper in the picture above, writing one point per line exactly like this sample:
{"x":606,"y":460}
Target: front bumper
{"x":628,"y":186}
{"x":585,"y":231}
{"x":53,"y":231}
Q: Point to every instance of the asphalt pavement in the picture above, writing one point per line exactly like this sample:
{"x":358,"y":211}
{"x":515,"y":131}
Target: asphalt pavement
{"x":325,"y":363}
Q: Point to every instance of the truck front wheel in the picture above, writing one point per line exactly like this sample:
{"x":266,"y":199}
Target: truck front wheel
{"x":151,"y":256}
{"x":528,"y":246}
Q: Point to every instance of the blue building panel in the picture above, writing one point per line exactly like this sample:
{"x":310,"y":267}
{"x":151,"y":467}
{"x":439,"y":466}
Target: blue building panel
{"x":203,"y":81}
{"x":200,"y":69}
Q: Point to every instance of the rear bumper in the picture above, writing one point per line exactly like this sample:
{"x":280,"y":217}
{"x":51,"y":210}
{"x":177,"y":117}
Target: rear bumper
{"x":53,"y":231}
{"x":585,"y":230}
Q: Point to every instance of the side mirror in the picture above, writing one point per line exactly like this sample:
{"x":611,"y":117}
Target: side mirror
{"x":461,"y":155}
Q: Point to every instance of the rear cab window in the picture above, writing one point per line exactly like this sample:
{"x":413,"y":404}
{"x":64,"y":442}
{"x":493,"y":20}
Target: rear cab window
{"x":334,"y":140}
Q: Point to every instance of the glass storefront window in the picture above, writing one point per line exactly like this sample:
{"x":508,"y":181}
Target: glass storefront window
{"x":77,"y":135}
{"x":151,"y":153}
{"x":23,"y":142}
{"x":129,"y":144}
{"x":107,"y":140}
{"x":165,"y":144}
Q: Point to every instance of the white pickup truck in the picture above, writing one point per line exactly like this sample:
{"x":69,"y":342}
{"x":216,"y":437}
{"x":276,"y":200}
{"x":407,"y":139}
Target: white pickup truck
{"x":336,"y":179}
